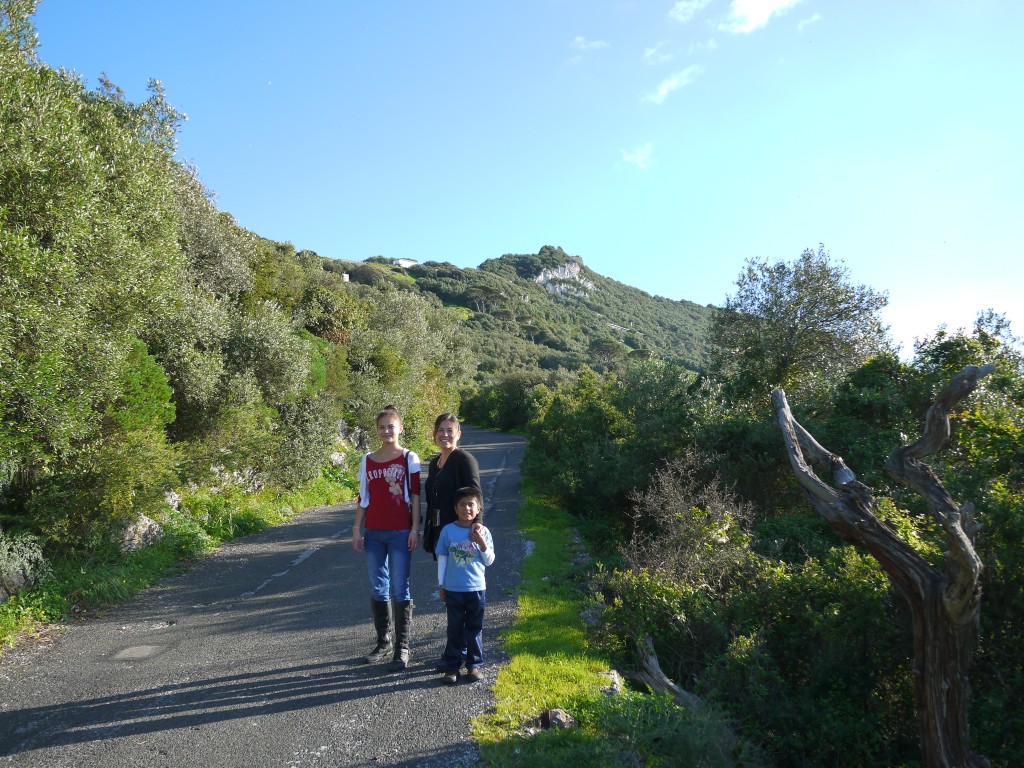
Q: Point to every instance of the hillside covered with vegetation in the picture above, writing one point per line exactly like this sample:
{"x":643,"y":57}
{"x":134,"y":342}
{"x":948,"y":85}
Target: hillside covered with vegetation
{"x":534,"y":319}
{"x":548,"y":311}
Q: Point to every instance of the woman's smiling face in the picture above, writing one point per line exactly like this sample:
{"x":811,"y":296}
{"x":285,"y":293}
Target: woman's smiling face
{"x":447,"y":435}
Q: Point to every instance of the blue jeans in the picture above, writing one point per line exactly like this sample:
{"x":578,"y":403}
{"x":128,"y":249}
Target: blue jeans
{"x":465,"y":628}
{"x":387,"y":561}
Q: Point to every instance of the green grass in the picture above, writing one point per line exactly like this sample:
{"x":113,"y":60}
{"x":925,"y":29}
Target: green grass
{"x":552,"y":665}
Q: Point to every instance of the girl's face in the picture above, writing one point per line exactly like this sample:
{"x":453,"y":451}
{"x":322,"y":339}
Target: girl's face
{"x":447,"y":435}
{"x":388,"y":429}
{"x":468,"y":509}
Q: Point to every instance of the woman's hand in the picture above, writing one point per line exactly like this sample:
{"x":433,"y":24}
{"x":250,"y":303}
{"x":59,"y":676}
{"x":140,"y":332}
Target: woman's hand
{"x":357,"y":540}
{"x":414,"y":540}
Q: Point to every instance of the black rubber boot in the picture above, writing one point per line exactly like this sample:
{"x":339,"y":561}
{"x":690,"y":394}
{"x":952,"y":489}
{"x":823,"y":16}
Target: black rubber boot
{"x":382,"y":623}
{"x":403,"y":632}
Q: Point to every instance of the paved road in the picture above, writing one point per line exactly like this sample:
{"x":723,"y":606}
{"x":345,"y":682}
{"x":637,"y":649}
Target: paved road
{"x":252,"y":658}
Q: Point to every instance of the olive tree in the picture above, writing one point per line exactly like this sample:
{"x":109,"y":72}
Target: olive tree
{"x":798,"y":326}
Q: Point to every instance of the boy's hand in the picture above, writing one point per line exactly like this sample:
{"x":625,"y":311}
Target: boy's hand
{"x":441,"y":594}
{"x":476,"y":535}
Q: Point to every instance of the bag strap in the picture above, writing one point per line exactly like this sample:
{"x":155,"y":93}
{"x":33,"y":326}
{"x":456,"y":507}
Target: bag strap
{"x":408,"y":482}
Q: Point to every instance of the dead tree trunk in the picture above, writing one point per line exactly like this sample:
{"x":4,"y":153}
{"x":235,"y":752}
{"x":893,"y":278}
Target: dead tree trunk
{"x":945,"y":604}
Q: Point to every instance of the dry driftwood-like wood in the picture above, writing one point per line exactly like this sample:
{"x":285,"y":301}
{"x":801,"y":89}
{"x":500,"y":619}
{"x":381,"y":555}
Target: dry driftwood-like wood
{"x":651,"y":675}
{"x":944,"y":604}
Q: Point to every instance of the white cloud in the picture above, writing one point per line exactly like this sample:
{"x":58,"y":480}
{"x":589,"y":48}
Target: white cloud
{"x":657,"y":54}
{"x":684,"y":10}
{"x":807,"y":22}
{"x":710,"y":45}
{"x":581,"y":43}
{"x":674,"y":83}
{"x":640,"y":157}
{"x":748,"y":15}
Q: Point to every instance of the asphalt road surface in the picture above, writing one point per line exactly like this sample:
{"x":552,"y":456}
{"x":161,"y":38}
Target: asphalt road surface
{"x":252,"y":658}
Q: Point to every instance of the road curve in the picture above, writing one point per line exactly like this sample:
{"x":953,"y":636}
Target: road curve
{"x":251,"y":658}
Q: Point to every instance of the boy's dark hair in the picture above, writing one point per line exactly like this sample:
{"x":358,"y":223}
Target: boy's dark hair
{"x":470,"y":492}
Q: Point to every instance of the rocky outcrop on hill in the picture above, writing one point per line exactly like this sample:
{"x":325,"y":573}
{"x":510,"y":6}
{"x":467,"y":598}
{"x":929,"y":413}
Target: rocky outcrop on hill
{"x":565,"y":280}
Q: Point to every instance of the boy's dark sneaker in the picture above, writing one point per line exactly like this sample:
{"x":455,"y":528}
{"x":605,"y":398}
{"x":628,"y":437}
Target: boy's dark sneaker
{"x":450,"y":677}
{"x":474,"y":675}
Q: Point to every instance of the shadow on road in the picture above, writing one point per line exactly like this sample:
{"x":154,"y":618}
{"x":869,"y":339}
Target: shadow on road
{"x":195,"y":703}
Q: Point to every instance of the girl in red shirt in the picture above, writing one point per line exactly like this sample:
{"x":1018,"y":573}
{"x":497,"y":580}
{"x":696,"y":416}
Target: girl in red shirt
{"x":387,"y":529}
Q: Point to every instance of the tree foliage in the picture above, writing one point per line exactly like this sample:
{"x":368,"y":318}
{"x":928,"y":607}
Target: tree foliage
{"x":798,"y":326}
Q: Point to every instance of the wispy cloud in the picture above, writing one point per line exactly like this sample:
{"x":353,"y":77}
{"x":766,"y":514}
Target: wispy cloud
{"x":747,"y":15}
{"x":582,"y":44}
{"x":657,"y":54}
{"x":807,"y":22}
{"x":684,"y":10}
{"x":710,"y":45}
{"x":640,"y":157}
{"x":674,"y":83}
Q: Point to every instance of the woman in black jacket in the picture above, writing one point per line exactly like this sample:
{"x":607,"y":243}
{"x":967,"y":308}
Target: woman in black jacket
{"x":450,"y":470}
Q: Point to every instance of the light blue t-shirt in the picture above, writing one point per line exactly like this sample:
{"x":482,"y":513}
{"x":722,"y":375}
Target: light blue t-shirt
{"x":460,"y":563}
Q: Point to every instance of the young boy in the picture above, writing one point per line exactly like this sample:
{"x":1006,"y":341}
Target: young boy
{"x":464,"y":549}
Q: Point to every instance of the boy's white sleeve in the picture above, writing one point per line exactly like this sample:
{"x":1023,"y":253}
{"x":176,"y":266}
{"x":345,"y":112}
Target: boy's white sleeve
{"x":442,"y":568}
{"x":488,"y":556}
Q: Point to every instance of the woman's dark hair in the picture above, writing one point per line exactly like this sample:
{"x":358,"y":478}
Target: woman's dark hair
{"x":446,"y":416}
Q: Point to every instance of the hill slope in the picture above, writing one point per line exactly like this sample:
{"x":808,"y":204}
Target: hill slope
{"x":548,"y":311}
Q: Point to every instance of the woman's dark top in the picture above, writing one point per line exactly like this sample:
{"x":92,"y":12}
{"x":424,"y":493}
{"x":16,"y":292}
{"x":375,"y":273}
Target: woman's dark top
{"x":459,"y":471}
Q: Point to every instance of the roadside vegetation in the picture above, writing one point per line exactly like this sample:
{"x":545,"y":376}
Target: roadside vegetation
{"x":682,"y":490}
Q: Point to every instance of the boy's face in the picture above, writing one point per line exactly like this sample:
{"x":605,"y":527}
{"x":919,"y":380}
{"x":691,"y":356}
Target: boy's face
{"x":467,"y":508}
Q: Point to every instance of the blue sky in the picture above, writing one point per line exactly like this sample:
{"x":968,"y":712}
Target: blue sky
{"x":663,"y":142}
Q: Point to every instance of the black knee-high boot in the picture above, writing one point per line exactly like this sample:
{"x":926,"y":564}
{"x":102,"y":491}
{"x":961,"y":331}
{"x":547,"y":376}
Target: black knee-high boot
{"x":382,"y":624}
{"x":403,"y":633}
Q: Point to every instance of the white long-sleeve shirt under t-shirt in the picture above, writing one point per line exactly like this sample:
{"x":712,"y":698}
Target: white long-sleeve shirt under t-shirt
{"x":460,"y":563}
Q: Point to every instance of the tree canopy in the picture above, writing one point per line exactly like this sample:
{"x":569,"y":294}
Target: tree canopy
{"x":799,"y":325}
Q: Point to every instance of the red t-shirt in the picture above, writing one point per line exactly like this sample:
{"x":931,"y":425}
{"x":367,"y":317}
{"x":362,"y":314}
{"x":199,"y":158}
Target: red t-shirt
{"x":387,"y":509}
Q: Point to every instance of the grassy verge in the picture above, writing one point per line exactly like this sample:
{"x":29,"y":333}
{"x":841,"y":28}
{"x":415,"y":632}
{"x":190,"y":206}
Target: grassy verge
{"x":204,"y":521}
{"x":553,"y":665}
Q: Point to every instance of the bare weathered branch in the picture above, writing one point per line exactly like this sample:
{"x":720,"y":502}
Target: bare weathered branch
{"x":849,"y":508}
{"x":962,"y":593}
{"x":936,"y":429}
{"x":796,"y":438}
